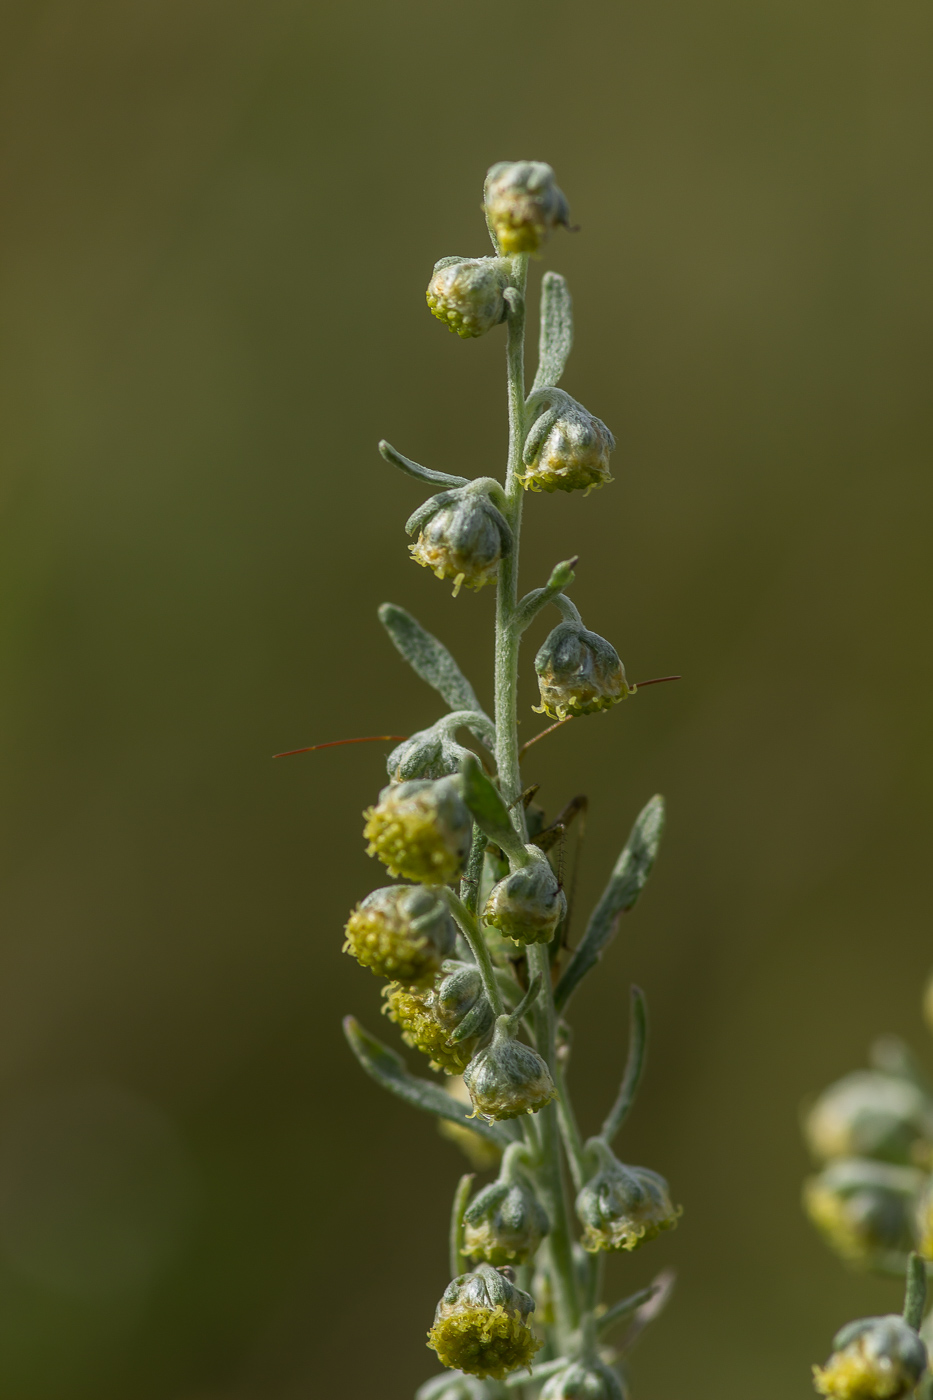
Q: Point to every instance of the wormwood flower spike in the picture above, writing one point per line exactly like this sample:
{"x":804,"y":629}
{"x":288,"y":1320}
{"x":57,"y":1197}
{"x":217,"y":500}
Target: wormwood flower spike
{"x":481,"y":1325}
{"x":466,"y":294}
{"x":623,"y":1207}
{"x":403,"y":932}
{"x":420,"y":831}
{"x":877,"y":1358}
{"x":464,"y":831}
{"x":579,"y":673}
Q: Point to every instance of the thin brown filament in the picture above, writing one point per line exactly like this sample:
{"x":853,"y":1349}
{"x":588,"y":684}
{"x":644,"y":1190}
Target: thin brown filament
{"x":336,"y":743}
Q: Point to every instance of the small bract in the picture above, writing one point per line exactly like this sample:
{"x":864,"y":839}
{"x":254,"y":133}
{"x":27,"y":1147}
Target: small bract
{"x":481,"y":1325}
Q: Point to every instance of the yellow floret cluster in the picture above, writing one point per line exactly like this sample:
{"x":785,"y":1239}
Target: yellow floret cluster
{"x":422,"y":1031}
{"x":404,"y":834}
{"x":445,"y":562}
{"x":854,"y":1375}
{"x":483,"y":1341}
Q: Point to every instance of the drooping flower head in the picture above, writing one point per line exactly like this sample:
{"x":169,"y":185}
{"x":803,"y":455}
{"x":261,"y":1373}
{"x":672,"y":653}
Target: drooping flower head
{"x":420,"y":830}
{"x":506,"y":1078}
{"x":461,"y":535}
{"x":403,"y":932}
{"x":863,"y":1209}
{"x":622,"y":1207}
{"x":481,"y":1324}
{"x":528,"y":904}
{"x":504,"y":1223}
{"x":877,"y":1358}
{"x":466,"y":294}
{"x":523,"y":205}
{"x":568,"y":450}
{"x":579,"y":672}
{"x":870,"y":1114}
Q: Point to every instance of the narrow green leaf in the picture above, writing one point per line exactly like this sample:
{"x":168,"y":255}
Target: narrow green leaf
{"x":388,"y":1069}
{"x":556,"y":330}
{"x":429,"y":658}
{"x":626,"y":883}
{"x":634,"y":1066}
{"x":410,"y":468}
{"x":488,"y":809}
{"x":916,"y":1292}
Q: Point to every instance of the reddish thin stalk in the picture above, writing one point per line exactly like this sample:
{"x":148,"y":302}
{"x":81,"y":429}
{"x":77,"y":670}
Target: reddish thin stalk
{"x":336,"y":743}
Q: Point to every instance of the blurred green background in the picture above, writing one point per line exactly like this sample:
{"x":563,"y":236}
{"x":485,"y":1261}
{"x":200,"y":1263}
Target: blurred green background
{"x":219,"y":219}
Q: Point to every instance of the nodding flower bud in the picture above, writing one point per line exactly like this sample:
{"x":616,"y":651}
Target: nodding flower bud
{"x":430,"y":753}
{"x":403,"y":932}
{"x":523,"y":205}
{"x":571,"y":455}
{"x":506,"y":1078}
{"x":446,"y":1022}
{"x":481,"y":1324}
{"x":527,"y":905}
{"x":869,"y":1114}
{"x":454,"y":1385}
{"x":466,"y":294}
{"x":504,"y":1223}
{"x":877,"y":1358}
{"x":622,"y":1207}
{"x":579,"y":672}
{"x":589,"y":1380}
{"x":420,"y":831}
{"x":461,"y":535}
{"x":863,"y":1209}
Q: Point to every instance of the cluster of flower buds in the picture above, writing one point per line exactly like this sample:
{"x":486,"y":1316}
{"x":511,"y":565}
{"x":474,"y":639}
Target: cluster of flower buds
{"x":505,"y":1223}
{"x":590,"y":1380}
{"x":446,"y":1022}
{"x":481,"y":1324}
{"x":529,"y":904}
{"x":420,"y":830}
{"x":467,"y":294}
{"x":403,"y":932}
{"x":877,"y":1358}
{"x":873,"y":1132}
{"x":567,"y":449}
{"x":462,"y":534}
{"x":523,"y":205}
{"x":506,"y":1078}
{"x":579,"y":672}
{"x":622,"y":1207}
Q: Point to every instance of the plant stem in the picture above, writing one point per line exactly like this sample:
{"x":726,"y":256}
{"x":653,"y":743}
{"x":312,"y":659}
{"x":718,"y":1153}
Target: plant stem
{"x":543,"y":1135}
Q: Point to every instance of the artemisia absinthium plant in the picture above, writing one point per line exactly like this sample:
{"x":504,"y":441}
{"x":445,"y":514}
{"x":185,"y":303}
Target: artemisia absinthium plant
{"x":872,"y":1200}
{"x":471,"y":942}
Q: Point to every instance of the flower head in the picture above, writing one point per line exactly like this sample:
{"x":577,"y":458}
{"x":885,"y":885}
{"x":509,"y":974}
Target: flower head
{"x":446,"y":1021}
{"x":420,"y":830}
{"x":572,"y":455}
{"x":878,"y":1358}
{"x":461,"y":535}
{"x":466,"y":294}
{"x":504,"y":1224}
{"x":401,"y":931}
{"x":623,"y":1207}
{"x":523,"y":205}
{"x":506,"y":1078}
{"x":869,"y":1114}
{"x":481,"y":1326}
{"x":579,"y":672}
{"x":863,"y":1209}
{"x":590,"y":1380}
{"x":528,"y":904}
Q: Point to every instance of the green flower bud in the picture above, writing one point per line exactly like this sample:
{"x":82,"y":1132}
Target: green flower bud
{"x":862,"y":1208}
{"x":461,"y":535}
{"x":527,"y":905}
{"x":506,"y":1078}
{"x":401,"y":931}
{"x":481,"y":1326}
{"x":622,"y":1207}
{"x":869,"y":1114}
{"x":877,"y":1358}
{"x":429,"y":753}
{"x":589,"y":1380}
{"x":579,"y":672}
{"x":454,"y":1385}
{"x":445,"y":1022}
{"x":504,"y":1223}
{"x":523,"y":205}
{"x":573,"y":455}
{"x":420,"y":831}
{"x":466,"y":293}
